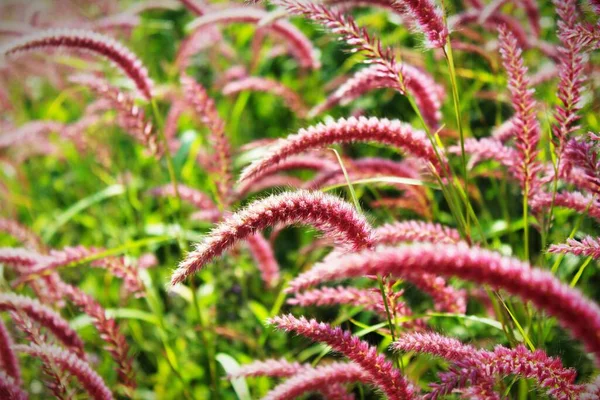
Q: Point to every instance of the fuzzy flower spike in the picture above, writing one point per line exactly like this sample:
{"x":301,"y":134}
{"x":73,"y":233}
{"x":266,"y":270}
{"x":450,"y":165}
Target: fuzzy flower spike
{"x":568,"y":305}
{"x":338,"y":219}
{"x":88,"y":41}
{"x":381,"y":372}
{"x":384,"y":131}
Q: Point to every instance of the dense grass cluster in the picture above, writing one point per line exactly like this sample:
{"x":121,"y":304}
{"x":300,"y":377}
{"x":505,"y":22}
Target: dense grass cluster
{"x":338,"y":199}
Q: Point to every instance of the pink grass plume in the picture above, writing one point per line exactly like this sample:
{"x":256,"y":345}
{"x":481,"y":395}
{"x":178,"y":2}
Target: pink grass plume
{"x":320,"y":379}
{"x":263,"y":255}
{"x":334,"y":217}
{"x":8,"y":359}
{"x":87,"y":41}
{"x":381,"y":372}
{"x":44,"y":316}
{"x":258,"y":84}
{"x":280,"y":368}
{"x":10,"y":388}
{"x":195,"y":197}
{"x":383,"y":131}
{"x":87,"y":377}
{"x":575,"y":312}
{"x":414,"y":231}
{"x":588,"y":247}
{"x":526,"y":125}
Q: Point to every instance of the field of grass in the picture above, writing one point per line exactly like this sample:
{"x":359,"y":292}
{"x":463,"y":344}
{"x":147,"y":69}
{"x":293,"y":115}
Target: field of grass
{"x":188,"y":189}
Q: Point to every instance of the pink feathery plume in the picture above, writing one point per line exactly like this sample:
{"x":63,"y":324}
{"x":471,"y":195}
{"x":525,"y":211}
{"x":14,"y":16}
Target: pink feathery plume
{"x":414,"y":231}
{"x":334,"y":217}
{"x":588,"y":247}
{"x":571,"y":75}
{"x":10,"y":388}
{"x":89,"y":379}
{"x":310,"y":162}
{"x":481,"y":367}
{"x":29,"y":133}
{"x":370,"y":167}
{"x":298,"y":44}
{"x":527,"y":128}
{"x":280,"y":368}
{"x":445,"y":297}
{"x":369,"y":299}
{"x":258,"y":84}
{"x":131,"y":117}
{"x":8,"y":361}
{"x":190,"y":195}
{"x":21,"y":233}
{"x":116,"y":344}
{"x":170,"y":129}
{"x":436,"y":345}
{"x":195,"y":42}
{"x":380,"y":371}
{"x":384,"y":131}
{"x":573,"y":200}
{"x":46,"y":317}
{"x":585,"y":34}
{"x":72,"y":255}
{"x":569,"y":306}
{"x":84,"y":40}
{"x":346,"y":27}
{"x":206,"y":110}
{"x":262,"y":252}
{"x":320,"y":379}
{"x":489,"y":149}
{"x":427,"y":93}
{"x":492,"y":24}
{"x":581,"y":165}
{"x":348,"y":5}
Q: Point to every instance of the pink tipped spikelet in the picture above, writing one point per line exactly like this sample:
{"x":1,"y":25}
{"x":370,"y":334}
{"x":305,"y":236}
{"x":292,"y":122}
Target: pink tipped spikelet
{"x":198,"y":199}
{"x":571,"y":75}
{"x":429,"y":18}
{"x":505,"y":132}
{"x":580,"y":161}
{"x":384,"y":131}
{"x":46,"y":317}
{"x":10,"y":388}
{"x":414,"y":231}
{"x":310,"y":162}
{"x":436,"y":345}
{"x":262,"y":252}
{"x":481,"y":368}
{"x":526,"y":125}
{"x":426,"y":92}
{"x":116,"y":344}
{"x":280,"y":368}
{"x":131,"y":117}
{"x":347,"y":28}
{"x":592,"y":390}
{"x":84,"y":40}
{"x":569,"y":306}
{"x":320,"y":379}
{"x":369,"y":299}
{"x":298,"y":44}
{"x":206,"y":110}
{"x":380,"y":371}
{"x":8,"y":361}
{"x":71,"y":255}
{"x":89,"y":379}
{"x":489,"y":149}
{"x":334,"y":217}
{"x":21,"y":259}
{"x":258,"y":84}
{"x":573,"y":200}
{"x":588,"y":247}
